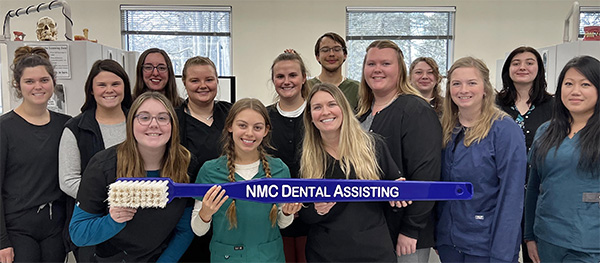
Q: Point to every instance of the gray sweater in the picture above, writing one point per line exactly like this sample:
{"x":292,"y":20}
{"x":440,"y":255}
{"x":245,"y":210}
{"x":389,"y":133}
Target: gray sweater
{"x":69,"y":161}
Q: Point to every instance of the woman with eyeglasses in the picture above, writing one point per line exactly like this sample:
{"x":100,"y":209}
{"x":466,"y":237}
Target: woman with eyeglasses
{"x":154,"y":71}
{"x":101,"y":124}
{"x":151,"y":149}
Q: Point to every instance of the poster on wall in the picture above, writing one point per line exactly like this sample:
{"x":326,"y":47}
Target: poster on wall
{"x":57,"y":102}
{"x":59,"y":57}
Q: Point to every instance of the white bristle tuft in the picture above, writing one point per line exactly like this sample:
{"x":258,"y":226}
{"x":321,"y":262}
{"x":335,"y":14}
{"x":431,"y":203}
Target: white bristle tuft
{"x":138,"y":194}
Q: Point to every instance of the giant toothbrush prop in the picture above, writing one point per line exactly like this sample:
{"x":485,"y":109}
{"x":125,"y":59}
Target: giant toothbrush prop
{"x":157,"y":192}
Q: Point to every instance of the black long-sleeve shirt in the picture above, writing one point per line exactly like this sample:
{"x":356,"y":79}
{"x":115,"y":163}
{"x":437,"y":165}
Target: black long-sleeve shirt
{"x":28,"y":165}
{"x":203,"y":141}
{"x":352,"y":231}
{"x":413,"y":135}
{"x":286,"y":137}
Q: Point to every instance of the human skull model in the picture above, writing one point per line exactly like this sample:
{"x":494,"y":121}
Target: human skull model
{"x":46,"y":29}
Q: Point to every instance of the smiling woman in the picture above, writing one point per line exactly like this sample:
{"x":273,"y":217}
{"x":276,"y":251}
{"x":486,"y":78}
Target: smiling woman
{"x":425,"y":76}
{"x":151,"y":149}
{"x":564,"y":171}
{"x":154,"y":71}
{"x":391,"y":107}
{"x":288,"y":74}
{"x":524,"y":97}
{"x":201,"y":121}
{"x":243,"y":230}
{"x":152,"y":130}
{"x":485,"y":147}
{"x":326,"y":115}
{"x":32,"y":213}
{"x":335,"y":147}
{"x":100,"y":125}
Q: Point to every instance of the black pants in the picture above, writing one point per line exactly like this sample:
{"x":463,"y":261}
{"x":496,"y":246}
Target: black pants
{"x":198,"y":251}
{"x":84,"y":254}
{"x":36,"y":234}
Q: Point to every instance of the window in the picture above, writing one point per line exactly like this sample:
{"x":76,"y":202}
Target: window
{"x":588,"y":16}
{"x":182,"y":31}
{"x":427,"y":31}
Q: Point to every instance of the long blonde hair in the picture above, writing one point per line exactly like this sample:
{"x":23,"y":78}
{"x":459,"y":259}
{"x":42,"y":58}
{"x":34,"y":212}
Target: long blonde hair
{"x":356,"y":147}
{"x":176,"y":158}
{"x":229,"y":151}
{"x":365,"y":93}
{"x":489,"y":111}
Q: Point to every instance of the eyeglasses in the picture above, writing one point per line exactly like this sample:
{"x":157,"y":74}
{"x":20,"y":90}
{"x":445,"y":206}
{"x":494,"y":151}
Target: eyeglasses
{"x":327,"y":49}
{"x":145,"y":119}
{"x":150,"y":68}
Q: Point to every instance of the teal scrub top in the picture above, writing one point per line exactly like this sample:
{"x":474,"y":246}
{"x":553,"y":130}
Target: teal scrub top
{"x":255,"y":239}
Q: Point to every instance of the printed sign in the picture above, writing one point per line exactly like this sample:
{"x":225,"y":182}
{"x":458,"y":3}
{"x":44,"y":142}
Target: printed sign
{"x":59,"y":57}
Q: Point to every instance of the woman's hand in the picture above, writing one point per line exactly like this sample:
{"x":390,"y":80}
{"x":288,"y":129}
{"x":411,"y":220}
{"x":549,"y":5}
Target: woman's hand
{"x":122,"y":214}
{"x":406,"y":245}
{"x":213,"y":200}
{"x":291,"y":208}
{"x":323,"y":208}
{"x":7,"y":255}
{"x":400,"y":204}
{"x":533,"y":251}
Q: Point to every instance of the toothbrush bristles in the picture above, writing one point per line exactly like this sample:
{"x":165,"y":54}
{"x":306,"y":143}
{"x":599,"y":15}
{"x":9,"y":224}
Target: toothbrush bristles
{"x":138,"y":194}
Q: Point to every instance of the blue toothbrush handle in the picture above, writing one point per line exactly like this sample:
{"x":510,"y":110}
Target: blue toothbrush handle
{"x":187,"y":190}
{"x":328,"y":190}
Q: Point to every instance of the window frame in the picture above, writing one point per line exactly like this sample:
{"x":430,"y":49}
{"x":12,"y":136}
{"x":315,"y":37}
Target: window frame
{"x":177,"y":8}
{"x":451,"y":10}
{"x":585,"y":9}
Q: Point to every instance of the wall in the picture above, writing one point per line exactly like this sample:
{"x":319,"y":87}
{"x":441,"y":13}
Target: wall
{"x":261,"y":29}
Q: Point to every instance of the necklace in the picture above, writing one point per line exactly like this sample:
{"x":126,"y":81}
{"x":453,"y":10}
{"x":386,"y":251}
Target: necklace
{"x":387,"y":103}
{"x":188,"y":111}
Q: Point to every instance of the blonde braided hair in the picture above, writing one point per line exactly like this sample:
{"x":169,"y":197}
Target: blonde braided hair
{"x":263,"y":157}
{"x":231,"y":210}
